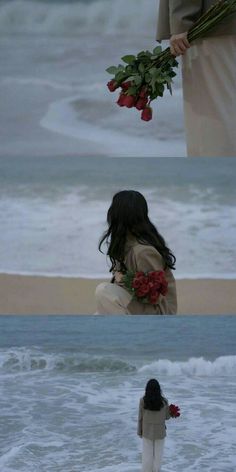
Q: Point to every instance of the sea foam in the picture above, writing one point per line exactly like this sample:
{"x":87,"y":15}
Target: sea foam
{"x":69,"y":18}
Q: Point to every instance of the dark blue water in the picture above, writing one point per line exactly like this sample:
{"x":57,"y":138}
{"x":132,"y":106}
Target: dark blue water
{"x":173,"y":337}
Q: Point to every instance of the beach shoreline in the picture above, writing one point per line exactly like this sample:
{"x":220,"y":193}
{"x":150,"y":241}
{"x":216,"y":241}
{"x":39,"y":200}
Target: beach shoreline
{"x":41,"y":295}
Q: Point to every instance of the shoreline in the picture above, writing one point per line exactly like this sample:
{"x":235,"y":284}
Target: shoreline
{"x":35,"y":295}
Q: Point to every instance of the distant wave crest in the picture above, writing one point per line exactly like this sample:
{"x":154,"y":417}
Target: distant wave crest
{"x":106,"y":16}
{"x":224,"y":365}
{"x":27,"y":360}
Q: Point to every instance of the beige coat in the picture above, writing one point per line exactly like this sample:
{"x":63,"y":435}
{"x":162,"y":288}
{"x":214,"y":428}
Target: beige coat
{"x":142,"y":257}
{"x":151,"y":424}
{"x":178,"y":16}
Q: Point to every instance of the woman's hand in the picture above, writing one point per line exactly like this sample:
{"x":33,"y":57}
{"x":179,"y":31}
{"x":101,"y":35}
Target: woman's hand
{"x":118,"y":277}
{"x":179,"y":44}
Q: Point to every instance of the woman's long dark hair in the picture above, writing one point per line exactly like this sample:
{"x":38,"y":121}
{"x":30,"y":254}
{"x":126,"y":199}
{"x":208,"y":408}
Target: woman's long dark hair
{"x":153,"y":399}
{"x":128,"y":214}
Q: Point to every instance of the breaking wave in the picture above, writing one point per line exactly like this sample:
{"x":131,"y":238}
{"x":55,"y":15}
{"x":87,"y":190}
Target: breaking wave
{"x":75,"y":17}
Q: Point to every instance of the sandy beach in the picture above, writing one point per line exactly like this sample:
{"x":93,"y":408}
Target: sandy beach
{"x":20,"y":294}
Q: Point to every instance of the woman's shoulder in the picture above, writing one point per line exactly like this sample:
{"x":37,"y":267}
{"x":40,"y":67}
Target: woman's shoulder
{"x":140,"y":248}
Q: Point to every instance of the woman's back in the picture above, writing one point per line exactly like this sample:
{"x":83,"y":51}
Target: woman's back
{"x":153,"y":421}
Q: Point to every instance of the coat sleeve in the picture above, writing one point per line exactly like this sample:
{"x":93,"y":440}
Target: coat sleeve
{"x":167,"y":411}
{"x":183,"y":14}
{"x":140,"y":419}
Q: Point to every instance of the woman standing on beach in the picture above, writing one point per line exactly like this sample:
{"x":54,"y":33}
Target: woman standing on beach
{"x":134,"y":244}
{"x":153,"y":412}
{"x":209,"y":76}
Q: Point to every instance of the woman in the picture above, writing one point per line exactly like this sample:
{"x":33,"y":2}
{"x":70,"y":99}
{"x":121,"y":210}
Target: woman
{"x":153,"y":412}
{"x":134,"y":244}
{"x":209,"y":76}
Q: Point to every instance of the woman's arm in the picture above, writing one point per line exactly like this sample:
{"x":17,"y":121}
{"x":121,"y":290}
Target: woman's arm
{"x":183,"y":14}
{"x":140,"y":419}
{"x":167,"y":411}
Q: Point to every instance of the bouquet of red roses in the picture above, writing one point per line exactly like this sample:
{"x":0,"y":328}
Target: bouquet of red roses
{"x":144,"y":77}
{"x":146,"y":286}
{"x":174,"y":411}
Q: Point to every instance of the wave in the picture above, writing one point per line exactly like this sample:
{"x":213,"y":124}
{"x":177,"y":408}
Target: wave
{"x":28,"y":360}
{"x":195,"y":366}
{"x":73,"y":18}
{"x":31,"y":359}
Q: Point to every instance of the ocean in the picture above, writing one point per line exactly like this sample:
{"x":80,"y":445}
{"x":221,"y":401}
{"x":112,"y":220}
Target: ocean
{"x":53,"y":212}
{"x":54,"y":98}
{"x":70,"y":388}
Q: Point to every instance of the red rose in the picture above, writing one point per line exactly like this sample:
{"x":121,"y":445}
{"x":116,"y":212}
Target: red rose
{"x":139,"y":274}
{"x":143,"y":280}
{"x":136,"y":283}
{"x":164,"y":287}
{"x":121,"y":99}
{"x":151,"y":285}
{"x":159,"y":276}
{"x":141,"y":103}
{"x":146,"y":114}
{"x":112,"y":85}
{"x":126,"y":85}
{"x":129,"y":101}
{"x":143,"y":290}
{"x":174,"y":411}
{"x":143,"y":92}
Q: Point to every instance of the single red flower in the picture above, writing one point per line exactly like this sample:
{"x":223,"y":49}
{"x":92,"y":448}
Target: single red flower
{"x":121,"y":99}
{"x":151,"y":286}
{"x":146,"y":114}
{"x":143,"y":93}
{"x":129,"y":101}
{"x":143,"y":280}
{"x":141,"y":103}
{"x":126,"y":85}
{"x":112,"y":85}
{"x":143,"y":290}
{"x":136,"y":283}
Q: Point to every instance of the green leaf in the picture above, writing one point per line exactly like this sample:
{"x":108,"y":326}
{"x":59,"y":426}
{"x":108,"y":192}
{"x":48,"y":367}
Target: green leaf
{"x":129,"y":69}
{"x":157,"y":50}
{"x":137,"y":80}
{"x":161,"y":88}
{"x":141,"y":53}
{"x":128,"y":59}
{"x":141,"y":68}
{"x":132,"y":91}
{"x":112,"y":70}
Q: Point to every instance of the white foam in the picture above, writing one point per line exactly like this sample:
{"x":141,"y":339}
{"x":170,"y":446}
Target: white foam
{"x":224,"y":365}
{"x":60,"y":237}
{"x":25,"y":16}
{"x":63,"y":119}
{"x":10,"y":454}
